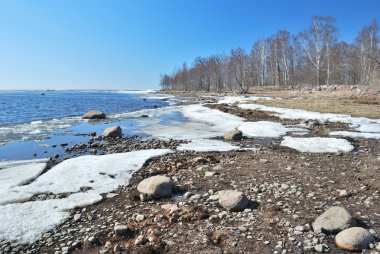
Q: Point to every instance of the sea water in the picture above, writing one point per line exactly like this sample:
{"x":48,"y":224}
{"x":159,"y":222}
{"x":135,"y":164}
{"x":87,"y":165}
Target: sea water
{"x":33,"y":124}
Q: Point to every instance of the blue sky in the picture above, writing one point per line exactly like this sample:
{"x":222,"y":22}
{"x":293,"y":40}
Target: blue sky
{"x":117,"y":44}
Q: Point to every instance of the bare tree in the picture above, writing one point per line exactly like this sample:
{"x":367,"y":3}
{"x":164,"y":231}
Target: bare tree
{"x":316,"y":41}
{"x":259,"y":60}
{"x":368,"y":46}
{"x":239,"y":64}
{"x":314,"y":57}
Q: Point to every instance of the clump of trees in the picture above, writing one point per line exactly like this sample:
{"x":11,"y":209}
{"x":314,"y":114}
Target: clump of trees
{"x":312,"y":58}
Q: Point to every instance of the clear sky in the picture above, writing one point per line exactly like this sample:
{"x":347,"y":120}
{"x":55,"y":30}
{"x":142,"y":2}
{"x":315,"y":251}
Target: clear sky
{"x":117,"y":44}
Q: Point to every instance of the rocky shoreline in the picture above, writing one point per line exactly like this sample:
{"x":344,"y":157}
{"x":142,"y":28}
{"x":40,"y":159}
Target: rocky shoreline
{"x":280,"y":195}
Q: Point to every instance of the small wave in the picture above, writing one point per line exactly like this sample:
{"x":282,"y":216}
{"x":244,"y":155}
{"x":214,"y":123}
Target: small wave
{"x":35,"y":130}
{"x":36,"y":122}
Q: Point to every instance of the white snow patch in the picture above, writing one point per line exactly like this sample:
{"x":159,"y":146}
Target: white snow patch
{"x":216,"y":118}
{"x":100,"y":173}
{"x":207,"y":145}
{"x":269,"y":129}
{"x":370,"y":127}
{"x":352,"y":134}
{"x":25,"y":222}
{"x":7,"y":164}
{"x":318,"y":145}
{"x":286,"y":113}
{"x":203,"y":122}
{"x":361,"y":124}
{"x":19,"y":175}
{"x":234,"y":99}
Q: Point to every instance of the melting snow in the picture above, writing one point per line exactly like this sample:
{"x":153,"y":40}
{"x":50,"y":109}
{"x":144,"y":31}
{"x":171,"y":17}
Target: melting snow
{"x":352,"y":134}
{"x":269,"y":129}
{"x":203,"y":123}
{"x":318,"y":145}
{"x":234,"y":99}
{"x":8,"y":164}
{"x":286,"y":113}
{"x":206,"y":145}
{"x":370,"y":127}
{"x":25,"y":222}
{"x":19,"y":174}
{"x":361,"y":124}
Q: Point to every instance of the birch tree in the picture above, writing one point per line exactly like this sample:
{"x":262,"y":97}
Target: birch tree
{"x":259,"y":59}
{"x":316,"y":41}
{"x":368,"y":44}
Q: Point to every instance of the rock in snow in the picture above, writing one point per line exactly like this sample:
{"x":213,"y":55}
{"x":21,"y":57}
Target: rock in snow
{"x":113,"y":132}
{"x":233,"y":135}
{"x":160,"y":186}
{"x":94,"y":114}
{"x":354,"y":239}
{"x":232,"y":200}
{"x":332,"y":221}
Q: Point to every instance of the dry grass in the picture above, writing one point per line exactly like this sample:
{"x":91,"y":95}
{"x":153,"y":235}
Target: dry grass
{"x":351,"y":107}
{"x":370,"y":100}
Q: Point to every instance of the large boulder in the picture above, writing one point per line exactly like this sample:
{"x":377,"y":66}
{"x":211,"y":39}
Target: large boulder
{"x":94,"y":114}
{"x":113,"y":132}
{"x":232,"y":200}
{"x":156,"y":186}
{"x":334,"y":220}
{"x":354,"y":239}
{"x":233,"y":135}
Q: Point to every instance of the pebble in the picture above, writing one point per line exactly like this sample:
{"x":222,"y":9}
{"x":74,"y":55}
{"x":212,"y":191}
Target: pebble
{"x":77,"y":217}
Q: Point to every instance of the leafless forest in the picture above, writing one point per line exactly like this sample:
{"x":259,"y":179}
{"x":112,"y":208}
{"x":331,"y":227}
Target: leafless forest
{"x":312,"y":58}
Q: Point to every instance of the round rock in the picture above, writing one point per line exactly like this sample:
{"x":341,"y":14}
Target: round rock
{"x":354,"y":239}
{"x":159,"y":186}
{"x":233,"y":135}
{"x":121,"y":230}
{"x":94,"y":114}
{"x":113,"y":132}
{"x":334,"y":220}
{"x":232,"y":200}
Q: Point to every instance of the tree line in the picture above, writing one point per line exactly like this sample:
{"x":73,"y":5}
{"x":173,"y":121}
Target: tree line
{"x":313,"y":57}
